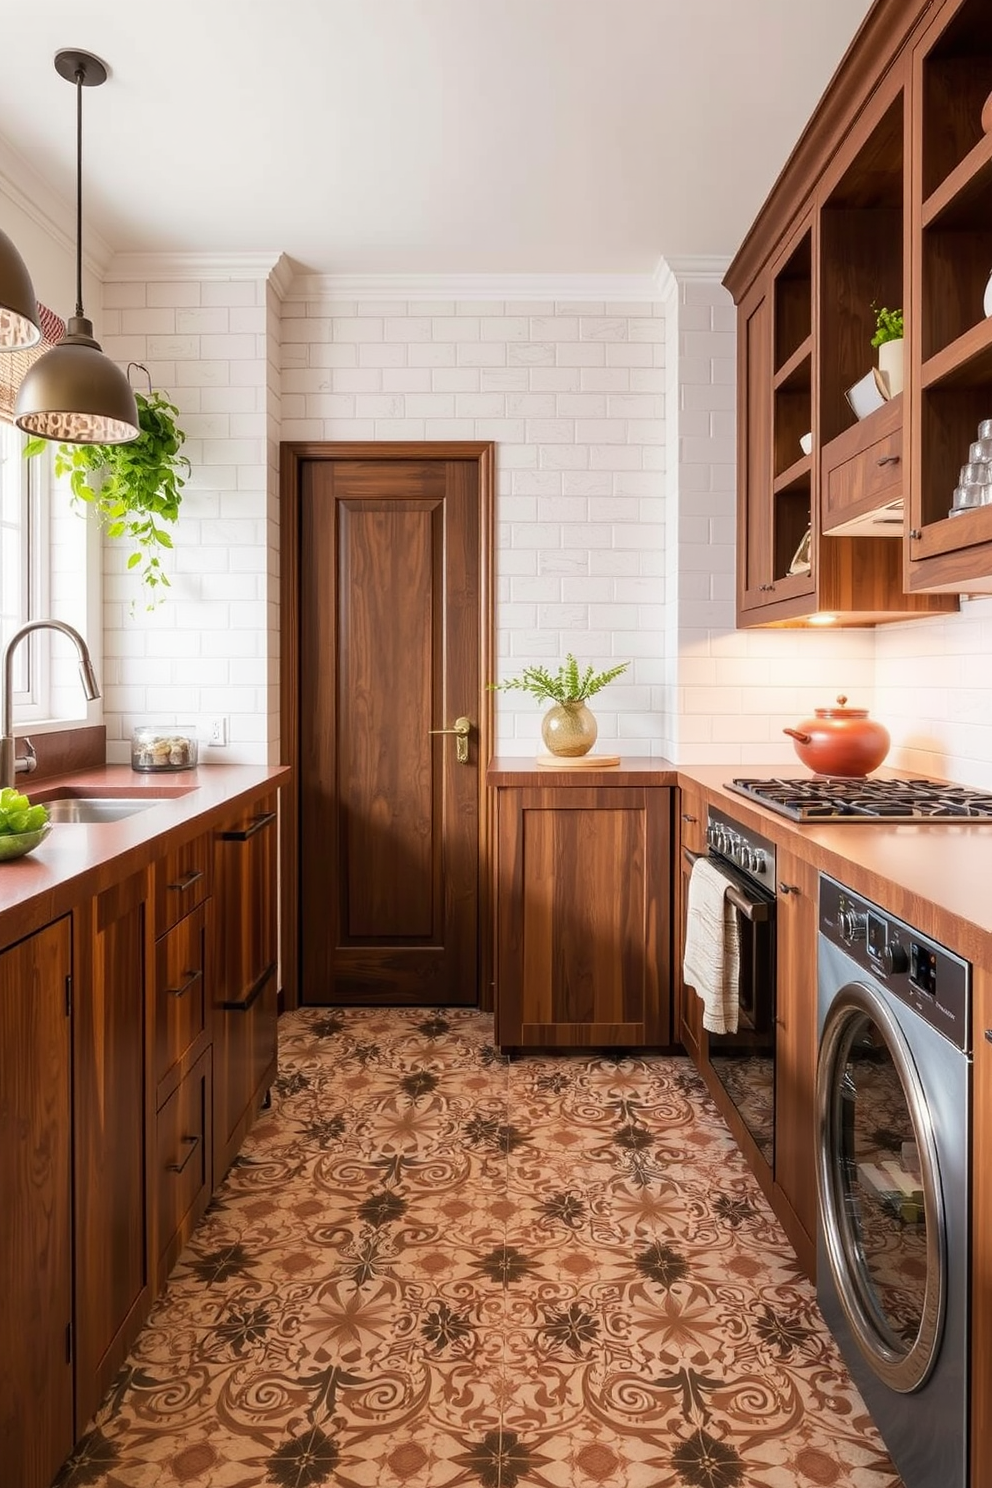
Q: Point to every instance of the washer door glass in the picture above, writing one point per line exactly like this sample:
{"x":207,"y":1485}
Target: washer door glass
{"x":880,"y":1201}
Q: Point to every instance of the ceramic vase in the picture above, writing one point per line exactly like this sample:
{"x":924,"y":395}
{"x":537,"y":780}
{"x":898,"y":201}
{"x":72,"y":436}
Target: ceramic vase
{"x":890,"y":364}
{"x":569,"y":729}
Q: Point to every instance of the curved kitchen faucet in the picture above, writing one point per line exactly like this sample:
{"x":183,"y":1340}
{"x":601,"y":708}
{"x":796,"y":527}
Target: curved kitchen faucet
{"x":10,"y":765}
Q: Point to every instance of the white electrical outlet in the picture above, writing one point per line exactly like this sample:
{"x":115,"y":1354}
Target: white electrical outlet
{"x":217,"y":731}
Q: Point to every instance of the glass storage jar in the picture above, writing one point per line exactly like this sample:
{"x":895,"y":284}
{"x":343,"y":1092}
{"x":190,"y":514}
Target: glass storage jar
{"x":163,"y":746}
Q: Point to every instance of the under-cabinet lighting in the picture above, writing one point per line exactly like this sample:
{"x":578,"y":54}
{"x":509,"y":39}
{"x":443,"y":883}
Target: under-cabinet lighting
{"x":823,"y":619}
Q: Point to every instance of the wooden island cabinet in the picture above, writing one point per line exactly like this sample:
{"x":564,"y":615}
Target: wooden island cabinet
{"x":583,"y":907}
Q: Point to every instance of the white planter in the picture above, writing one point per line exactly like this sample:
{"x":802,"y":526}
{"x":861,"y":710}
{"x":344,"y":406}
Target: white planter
{"x":890,"y":365}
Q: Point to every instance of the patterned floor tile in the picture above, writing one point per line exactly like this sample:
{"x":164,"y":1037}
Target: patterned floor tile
{"x":432,"y":1267}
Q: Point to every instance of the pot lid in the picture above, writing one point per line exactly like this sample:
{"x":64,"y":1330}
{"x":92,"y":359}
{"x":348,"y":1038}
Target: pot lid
{"x":840,"y":711}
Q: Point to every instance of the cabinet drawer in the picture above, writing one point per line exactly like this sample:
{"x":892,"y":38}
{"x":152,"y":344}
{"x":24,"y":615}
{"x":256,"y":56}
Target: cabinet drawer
{"x":180,"y":1000}
{"x":860,"y":478}
{"x":183,"y":1163}
{"x":182,"y":881}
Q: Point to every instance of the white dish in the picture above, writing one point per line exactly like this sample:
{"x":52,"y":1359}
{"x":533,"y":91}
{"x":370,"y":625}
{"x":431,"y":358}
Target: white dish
{"x":806,"y":444}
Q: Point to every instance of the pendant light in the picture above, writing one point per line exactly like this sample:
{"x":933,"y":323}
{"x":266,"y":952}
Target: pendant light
{"x":75,"y":394}
{"x":20,"y":327}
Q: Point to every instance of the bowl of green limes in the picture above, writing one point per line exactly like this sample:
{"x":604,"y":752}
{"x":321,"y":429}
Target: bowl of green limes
{"x":22,"y":826}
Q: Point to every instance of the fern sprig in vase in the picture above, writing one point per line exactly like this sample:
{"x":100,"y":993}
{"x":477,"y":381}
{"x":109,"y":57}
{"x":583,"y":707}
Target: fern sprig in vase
{"x":568,"y":728}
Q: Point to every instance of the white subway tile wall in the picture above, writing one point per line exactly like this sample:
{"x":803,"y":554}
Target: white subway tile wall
{"x":614,"y":426}
{"x":573,"y":394}
{"x":210,"y":650}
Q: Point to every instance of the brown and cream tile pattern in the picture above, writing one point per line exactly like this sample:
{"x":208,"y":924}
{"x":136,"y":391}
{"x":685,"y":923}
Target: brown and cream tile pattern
{"x":432,"y":1267}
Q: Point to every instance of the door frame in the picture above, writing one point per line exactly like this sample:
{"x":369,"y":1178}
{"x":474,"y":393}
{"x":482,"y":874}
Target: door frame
{"x":292,"y":455}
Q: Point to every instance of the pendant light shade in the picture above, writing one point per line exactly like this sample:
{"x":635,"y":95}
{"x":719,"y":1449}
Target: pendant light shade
{"x":74,"y":394}
{"x":20,"y":326}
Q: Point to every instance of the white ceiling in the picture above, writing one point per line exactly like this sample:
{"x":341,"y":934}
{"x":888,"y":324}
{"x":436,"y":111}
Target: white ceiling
{"x":420,"y":136}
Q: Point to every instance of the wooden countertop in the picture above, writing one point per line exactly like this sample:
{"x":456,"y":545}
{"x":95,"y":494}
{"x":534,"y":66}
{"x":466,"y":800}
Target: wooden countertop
{"x":77,"y":859}
{"x":936,"y":876}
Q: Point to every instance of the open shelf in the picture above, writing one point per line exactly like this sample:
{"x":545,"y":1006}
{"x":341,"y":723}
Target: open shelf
{"x":797,"y":475}
{"x":966,"y":362}
{"x":962,"y":198}
{"x":796,"y":375}
{"x":794,"y":303}
{"x":957,"y":79}
{"x":861,"y":264}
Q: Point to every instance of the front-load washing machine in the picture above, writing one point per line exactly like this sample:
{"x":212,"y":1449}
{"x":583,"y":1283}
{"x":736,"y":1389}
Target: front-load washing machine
{"x":893,"y":1153}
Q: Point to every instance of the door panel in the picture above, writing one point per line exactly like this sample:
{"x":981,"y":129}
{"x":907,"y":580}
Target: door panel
{"x":390,"y":593}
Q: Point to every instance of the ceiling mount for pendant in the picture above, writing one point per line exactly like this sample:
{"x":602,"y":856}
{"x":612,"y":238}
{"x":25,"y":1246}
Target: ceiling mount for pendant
{"x":75,"y":394}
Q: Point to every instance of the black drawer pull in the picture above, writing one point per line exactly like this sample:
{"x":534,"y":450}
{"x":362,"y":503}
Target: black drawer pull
{"x":245,"y":1003}
{"x":192,"y":1143}
{"x":785,"y":888}
{"x":687,"y":818}
{"x":256,"y":826}
{"x":191,"y":978}
{"x":988,"y":1035}
{"x":887,"y":460}
{"x":187,"y":881}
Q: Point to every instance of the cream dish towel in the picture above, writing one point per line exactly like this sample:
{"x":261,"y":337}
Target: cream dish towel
{"x":712,"y":957}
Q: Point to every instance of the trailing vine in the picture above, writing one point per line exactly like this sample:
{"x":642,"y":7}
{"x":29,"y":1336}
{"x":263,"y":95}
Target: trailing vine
{"x":133,"y":488}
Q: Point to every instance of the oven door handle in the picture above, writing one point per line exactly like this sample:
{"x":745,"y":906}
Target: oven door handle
{"x":752,"y":909}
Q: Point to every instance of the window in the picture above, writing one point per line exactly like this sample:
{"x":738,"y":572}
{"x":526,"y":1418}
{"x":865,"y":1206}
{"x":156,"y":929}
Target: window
{"x":24,"y":487}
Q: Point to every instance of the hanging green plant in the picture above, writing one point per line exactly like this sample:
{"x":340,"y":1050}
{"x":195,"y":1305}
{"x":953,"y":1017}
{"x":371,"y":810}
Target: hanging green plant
{"x":132,"y":488}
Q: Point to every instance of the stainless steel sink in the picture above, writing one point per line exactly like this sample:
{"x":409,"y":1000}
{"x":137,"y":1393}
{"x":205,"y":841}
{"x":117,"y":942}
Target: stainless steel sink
{"x":97,"y":808}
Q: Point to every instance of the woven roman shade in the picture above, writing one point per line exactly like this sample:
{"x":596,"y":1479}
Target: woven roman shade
{"x":14,"y":364}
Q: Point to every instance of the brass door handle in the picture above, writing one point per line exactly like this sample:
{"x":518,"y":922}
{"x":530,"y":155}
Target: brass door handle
{"x":461,"y":729}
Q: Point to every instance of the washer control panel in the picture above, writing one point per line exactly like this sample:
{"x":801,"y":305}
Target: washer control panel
{"x":919,"y":971}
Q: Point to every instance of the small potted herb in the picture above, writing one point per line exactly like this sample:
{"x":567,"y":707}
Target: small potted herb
{"x":888,"y":338}
{"x":568,"y":728}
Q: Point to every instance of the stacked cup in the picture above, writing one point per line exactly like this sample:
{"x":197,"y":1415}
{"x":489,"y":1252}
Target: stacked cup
{"x":974,"y":487}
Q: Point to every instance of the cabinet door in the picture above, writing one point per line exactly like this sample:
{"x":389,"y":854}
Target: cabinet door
{"x":114,"y":950}
{"x":692,"y":839}
{"x":981,"y":1231}
{"x":244,"y":974}
{"x":36,"y":1425}
{"x":795,"y":1051}
{"x":754,"y":448}
{"x":584,"y":917}
{"x":182,"y":881}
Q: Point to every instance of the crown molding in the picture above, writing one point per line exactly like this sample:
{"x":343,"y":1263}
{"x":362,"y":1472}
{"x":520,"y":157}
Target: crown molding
{"x":169,"y":268}
{"x":700,"y":268}
{"x":281,"y":275}
{"x":31,"y":194}
{"x":481,"y":287}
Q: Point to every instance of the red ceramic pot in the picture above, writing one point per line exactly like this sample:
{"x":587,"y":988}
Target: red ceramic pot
{"x":840,"y":741}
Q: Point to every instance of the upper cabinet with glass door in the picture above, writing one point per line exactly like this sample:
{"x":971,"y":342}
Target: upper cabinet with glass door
{"x":950,"y":526}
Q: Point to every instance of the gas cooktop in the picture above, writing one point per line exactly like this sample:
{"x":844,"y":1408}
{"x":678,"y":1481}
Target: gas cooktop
{"x":832,"y":799}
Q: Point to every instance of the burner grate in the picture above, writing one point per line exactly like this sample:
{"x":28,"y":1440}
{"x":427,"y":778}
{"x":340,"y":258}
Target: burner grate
{"x":826,"y":798}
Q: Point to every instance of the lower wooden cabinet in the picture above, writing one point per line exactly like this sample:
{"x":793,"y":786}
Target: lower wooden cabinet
{"x":583,"y":917}
{"x":36,"y":1415}
{"x":795,"y":1054}
{"x":244,"y":981}
{"x":111,"y":1133}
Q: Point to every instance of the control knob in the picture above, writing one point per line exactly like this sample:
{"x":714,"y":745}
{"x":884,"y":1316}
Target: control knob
{"x":894,"y":958}
{"x":852,"y":925}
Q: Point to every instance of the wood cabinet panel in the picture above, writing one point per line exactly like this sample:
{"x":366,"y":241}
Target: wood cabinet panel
{"x":244,"y":983}
{"x":795,"y":1052}
{"x":180,"y":996}
{"x":183,"y":1165}
{"x":113,"y":949}
{"x":691,"y":839}
{"x":583,"y":917}
{"x":36,"y":1421}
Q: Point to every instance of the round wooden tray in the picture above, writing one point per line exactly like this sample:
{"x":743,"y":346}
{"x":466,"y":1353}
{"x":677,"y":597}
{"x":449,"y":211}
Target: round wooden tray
{"x":578,"y":762}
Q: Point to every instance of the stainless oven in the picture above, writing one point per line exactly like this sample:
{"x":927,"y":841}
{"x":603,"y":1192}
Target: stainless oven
{"x":744,"y":1062}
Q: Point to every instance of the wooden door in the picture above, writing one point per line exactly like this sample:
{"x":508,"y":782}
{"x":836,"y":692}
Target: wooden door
{"x":391,"y":592}
{"x":36,"y":1425}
